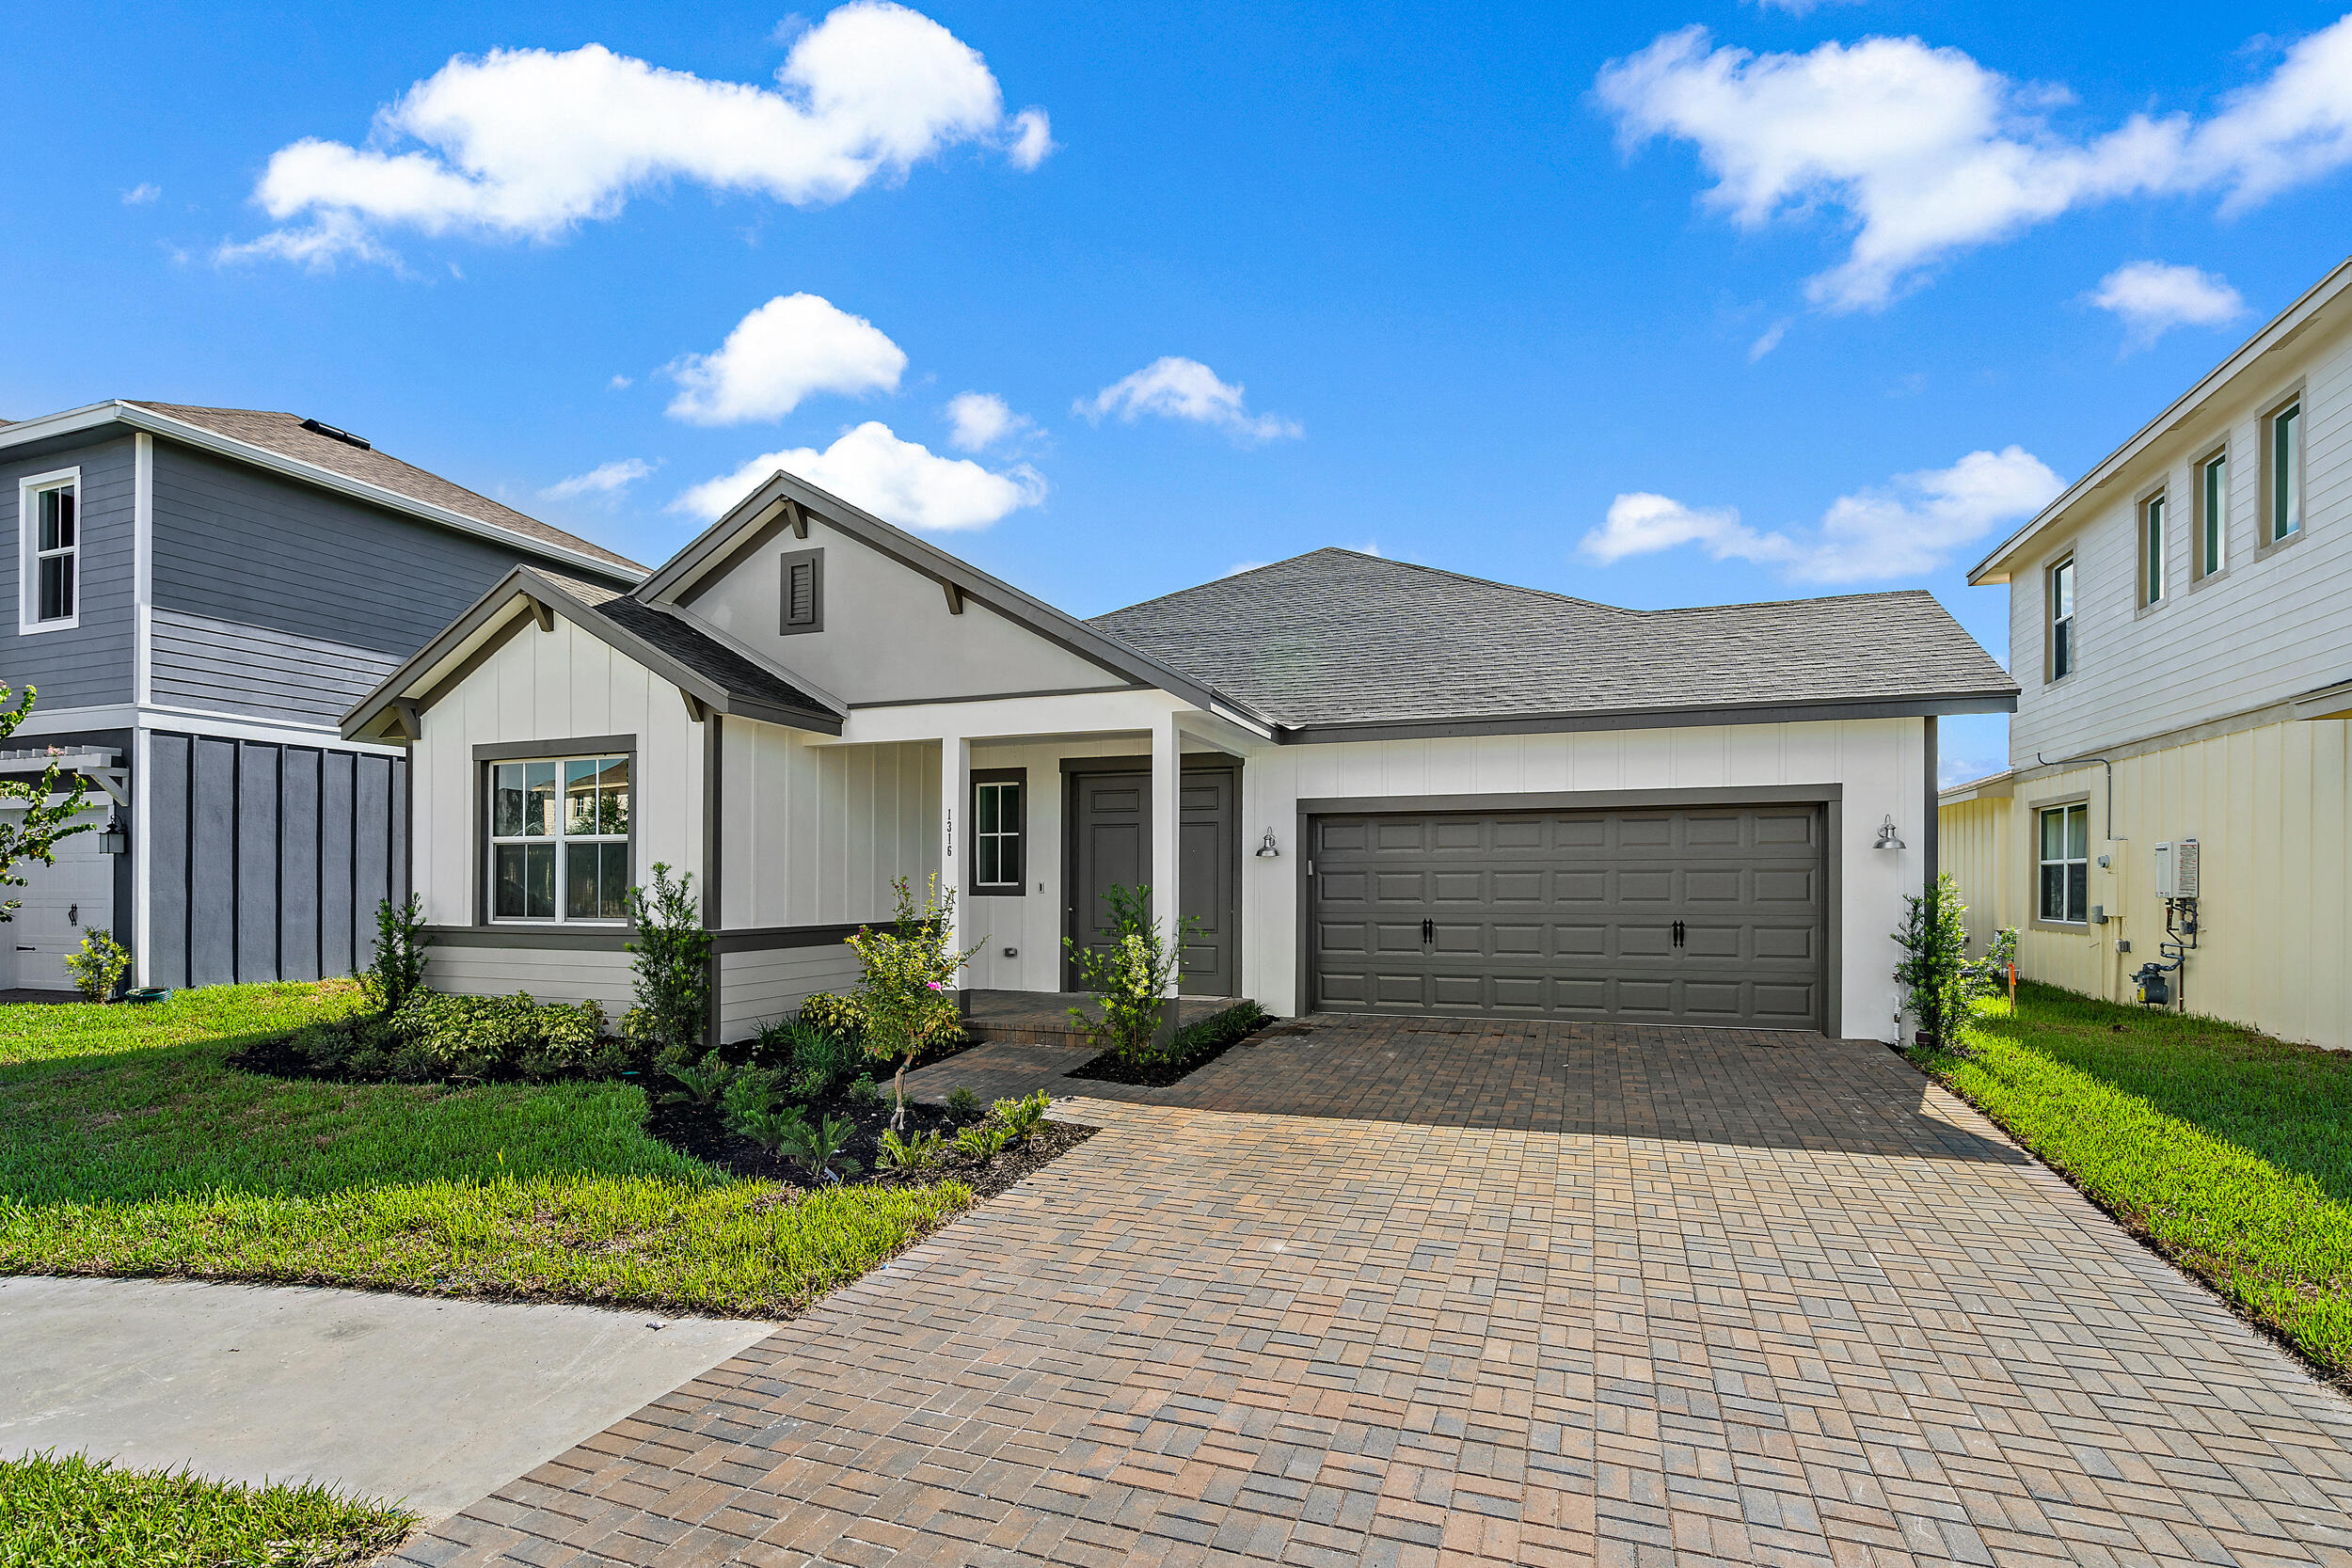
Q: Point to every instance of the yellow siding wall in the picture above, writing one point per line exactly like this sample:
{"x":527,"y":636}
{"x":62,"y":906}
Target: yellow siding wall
{"x":2273,"y":816}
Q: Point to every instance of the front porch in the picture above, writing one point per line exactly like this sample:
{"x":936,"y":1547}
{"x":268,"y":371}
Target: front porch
{"x":1042,"y":1017}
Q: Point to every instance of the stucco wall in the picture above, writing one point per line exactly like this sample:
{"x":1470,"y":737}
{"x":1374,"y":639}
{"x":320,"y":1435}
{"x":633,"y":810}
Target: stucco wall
{"x":2270,"y":810}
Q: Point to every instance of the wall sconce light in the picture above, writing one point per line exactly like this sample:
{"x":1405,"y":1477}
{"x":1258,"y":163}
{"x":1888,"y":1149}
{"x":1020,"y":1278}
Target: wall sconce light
{"x":1266,"y":851}
{"x":1888,"y":838}
{"x":113,"y":839}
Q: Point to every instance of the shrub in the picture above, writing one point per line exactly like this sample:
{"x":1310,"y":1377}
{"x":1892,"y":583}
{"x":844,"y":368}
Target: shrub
{"x":839,"y":1016}
{"x":672,"y":968}
{"x":1022,"y":1119}
{"x":910,"y":1156}
{"x":818,"y":1145}
{"x":1222,"y":1029}
{"x":904,"y":991}
{"x":864,"y":1090}
{"x":1989,"y":976}
{"x":474,"y":1037}
{"x":97,"y":968}
{"x":814,"y":1061}
{"x":1130,"y":978}
{"x":981,"y":1144}
{"x":963,"y":1105}
{"x":1934,"y":972}
{"x":699,"y":1082}
{"x":397,"y":971}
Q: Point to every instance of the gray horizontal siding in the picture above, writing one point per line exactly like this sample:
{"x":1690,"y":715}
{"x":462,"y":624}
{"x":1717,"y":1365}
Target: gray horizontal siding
{"x":92,"y":663}
{"x":267,"y":861}
{"x":240,"y":551}
{"x":226,"y":668}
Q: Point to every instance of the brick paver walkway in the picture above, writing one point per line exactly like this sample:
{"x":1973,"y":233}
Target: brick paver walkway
{"x":1400,"y":1292}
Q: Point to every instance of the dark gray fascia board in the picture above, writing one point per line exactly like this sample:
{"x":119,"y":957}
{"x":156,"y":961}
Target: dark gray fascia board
{"x":2327,"y":701}
{"x":1063,"y":630}
{"x":574,"y":745}
{"x":2273,"y":334}
{"x":1572,"y":800}
{"x":524,"y":583}
{"x":131,"y":416}
{"x":1649,"y":719}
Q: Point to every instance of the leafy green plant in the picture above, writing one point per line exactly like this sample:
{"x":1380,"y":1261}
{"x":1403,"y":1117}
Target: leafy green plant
{"x":963,"y":1103}
{"x":465,"y":1039}
{"x":671,"y":967}
{"x":906,"y":990}
{"x":863,"y":1090}
{"x":1933,"y":971}
{"x":1022,"y":1119}
{"x":1989,"y":976}
{"x":814,"y":1061}
{"x":397,"y":971}
{"x":1131,"y":978}
{"x":700,"y":1083}
{"x":839,"y":1016}
{"x":910,"y":1156}
{"x":750,"y":1091}
{"x":30,"y":832}
{"x":981,"y":1144}
{"x":772,"y":1129}
{"x":98,"y":968}
{"x":818,"y":1145}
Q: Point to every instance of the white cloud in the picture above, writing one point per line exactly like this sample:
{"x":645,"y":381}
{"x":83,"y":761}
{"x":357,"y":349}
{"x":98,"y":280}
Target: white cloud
{"x":1032,"y":139}
{"x":1900,"y":529}
{"x":980,"y":419}
{"x":2154,"y":297}
{"x":528,"y":143}
{"x":333,"y":239}
{"x":1181,"y":389}
{"x":900,"y":482}
{"x":1769,"y":340}
{"x":1925,"y":152}
{"x":1799,"y":8}
{"x":620,"y":383}
{"x":140,"y":194}
{"x":605,"y":479}
{"x":792,"y":347}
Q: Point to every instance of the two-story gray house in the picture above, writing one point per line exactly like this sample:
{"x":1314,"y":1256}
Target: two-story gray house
{"x":199,"y":593}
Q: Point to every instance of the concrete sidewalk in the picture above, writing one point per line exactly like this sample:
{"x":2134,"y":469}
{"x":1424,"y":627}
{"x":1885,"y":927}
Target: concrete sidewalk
{"x":396,"y":1396}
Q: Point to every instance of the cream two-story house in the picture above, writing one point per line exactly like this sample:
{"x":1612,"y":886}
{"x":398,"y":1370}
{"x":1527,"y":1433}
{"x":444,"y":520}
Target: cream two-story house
{"x":2181,"y":628}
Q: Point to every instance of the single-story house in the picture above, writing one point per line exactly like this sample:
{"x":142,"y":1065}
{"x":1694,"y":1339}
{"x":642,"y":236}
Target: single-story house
{"x":1378,"y":788}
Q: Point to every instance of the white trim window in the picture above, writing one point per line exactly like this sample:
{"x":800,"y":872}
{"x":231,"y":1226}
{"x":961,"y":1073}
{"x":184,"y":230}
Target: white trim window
{"x":2151,"y":520}
{"x":2213,"y":514}
{"x":48,"y":564}
{"x":559,"y":843}
{"x":2065,"y":864}
{"x":997,"y":859}
{"x":2285,"y":453}
{"x":2062,"y":619}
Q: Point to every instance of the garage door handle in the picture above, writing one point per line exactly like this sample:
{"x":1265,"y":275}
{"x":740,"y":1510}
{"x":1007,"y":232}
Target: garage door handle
{"x":1428,"y":931}
{"x":1678,"y":933}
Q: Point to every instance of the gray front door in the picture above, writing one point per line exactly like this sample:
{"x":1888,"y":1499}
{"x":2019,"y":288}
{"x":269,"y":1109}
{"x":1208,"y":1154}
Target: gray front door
{"x":1714,"y":916}
{"x":1109,"y":841}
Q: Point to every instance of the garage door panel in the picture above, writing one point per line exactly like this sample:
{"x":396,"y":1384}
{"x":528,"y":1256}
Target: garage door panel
{"x":1746,"y":886}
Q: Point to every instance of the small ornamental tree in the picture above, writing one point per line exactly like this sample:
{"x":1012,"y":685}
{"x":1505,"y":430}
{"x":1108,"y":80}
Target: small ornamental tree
{"x":1934,"y":971}
{"x":672,"y":963}
{"x":1129,"y":978}
{"x":907,"y":989}
{"x":397,"y":971}
{"x":35,"y":836}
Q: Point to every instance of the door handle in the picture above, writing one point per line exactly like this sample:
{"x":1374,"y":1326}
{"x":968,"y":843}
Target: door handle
{"x":1680,"y":933}
{"x":1428,"y":931}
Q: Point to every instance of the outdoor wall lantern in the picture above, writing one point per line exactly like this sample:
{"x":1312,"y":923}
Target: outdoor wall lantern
{"x":113,"y":839}
{"x":1888,"y":838}
{"x":1266,"y":851}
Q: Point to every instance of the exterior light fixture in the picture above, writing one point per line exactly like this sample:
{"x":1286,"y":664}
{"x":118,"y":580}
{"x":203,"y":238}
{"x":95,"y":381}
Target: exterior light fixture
{"x":1888,"y":838}
{"x":113,"y":839}
{"x":1266,"y":851}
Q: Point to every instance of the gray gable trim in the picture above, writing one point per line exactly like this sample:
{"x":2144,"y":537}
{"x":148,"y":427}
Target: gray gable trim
{"x":769,"y":508}
{"x":716,"y":676}
{"x":576,"y":554}
{"x":1651,"y":719}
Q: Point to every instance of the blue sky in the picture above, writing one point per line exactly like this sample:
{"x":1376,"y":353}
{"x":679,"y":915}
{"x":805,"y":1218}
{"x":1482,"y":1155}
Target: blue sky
{"x":1654,"y":305}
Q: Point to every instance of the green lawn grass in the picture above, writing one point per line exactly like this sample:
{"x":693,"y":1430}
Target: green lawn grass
{"x":132,"y":1147}
{"x":77,"y":1512}
{"x":2230,"y":1151}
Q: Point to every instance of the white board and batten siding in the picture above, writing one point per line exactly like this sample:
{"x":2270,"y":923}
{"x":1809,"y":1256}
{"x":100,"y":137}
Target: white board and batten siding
{"x":552,"y":686}
{"x":1880,"y":765}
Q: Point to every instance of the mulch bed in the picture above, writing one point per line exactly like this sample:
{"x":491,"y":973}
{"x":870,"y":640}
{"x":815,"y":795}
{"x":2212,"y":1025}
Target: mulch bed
{"x":1108,"y":1069}
{"x":696,"y":1129}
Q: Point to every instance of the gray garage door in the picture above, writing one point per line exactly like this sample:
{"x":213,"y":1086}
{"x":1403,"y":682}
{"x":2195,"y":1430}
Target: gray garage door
{"x":1715,"y":916}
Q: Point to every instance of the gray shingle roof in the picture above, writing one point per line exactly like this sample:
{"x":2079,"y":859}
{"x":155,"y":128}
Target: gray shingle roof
{"x":1338,"y":638}
{"x":706,"y":655}
{"x":284,"y":435}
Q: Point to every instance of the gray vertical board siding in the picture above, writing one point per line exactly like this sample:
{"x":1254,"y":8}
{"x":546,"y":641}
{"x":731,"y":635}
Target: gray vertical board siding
{"x":266,"y":861}
{"x":93,"y":662}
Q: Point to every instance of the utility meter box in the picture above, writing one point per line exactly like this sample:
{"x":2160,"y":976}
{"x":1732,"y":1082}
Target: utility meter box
{"x":2176,"y":869}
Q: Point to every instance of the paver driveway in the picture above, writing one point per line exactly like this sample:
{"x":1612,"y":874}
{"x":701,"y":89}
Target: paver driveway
{"x":1402,"y":1292}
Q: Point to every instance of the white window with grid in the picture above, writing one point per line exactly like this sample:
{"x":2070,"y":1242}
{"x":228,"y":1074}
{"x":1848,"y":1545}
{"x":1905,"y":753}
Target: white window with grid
{"x":559,"y":839}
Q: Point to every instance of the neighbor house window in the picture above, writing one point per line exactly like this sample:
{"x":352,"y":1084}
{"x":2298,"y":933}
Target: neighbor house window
{"x":999,"y":824}
{"x":2282,"y":460}
{"x":50,"y":569}
{"x":2213,"y":514}
{"x":559,"y":839}
{"x":2066,"y":863}
{"x":2062,"y":619}
{"x":2152,"y":518}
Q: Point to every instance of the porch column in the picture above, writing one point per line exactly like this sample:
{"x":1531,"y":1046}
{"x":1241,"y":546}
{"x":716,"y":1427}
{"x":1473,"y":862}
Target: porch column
{"x":955,"y":798}
{"x":1168,"y":808}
